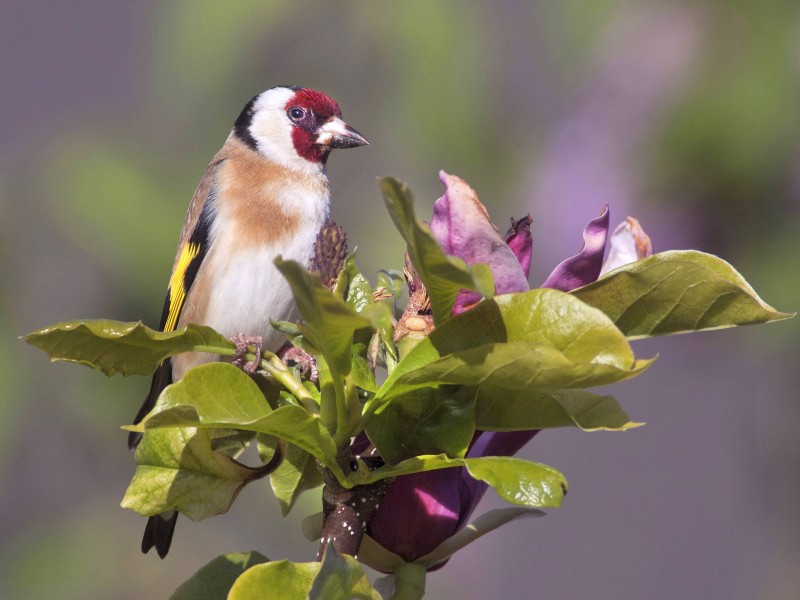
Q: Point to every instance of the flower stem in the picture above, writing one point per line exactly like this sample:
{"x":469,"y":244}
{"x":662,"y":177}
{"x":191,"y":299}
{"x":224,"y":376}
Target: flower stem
{"x":275,"y":367}
{"x":409,"y":582}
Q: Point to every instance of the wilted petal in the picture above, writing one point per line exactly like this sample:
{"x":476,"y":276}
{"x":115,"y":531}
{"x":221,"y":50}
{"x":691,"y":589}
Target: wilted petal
{"x":462,"y":227}
{"x":584,"y":267}
{"x":519,"y":239}
{"x":628,"y":244}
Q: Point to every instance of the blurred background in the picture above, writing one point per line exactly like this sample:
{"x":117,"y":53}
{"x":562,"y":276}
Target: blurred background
{"x":683,"y":114}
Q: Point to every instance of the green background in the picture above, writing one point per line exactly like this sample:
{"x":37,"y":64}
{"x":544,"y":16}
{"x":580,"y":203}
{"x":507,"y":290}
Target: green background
{"x":683,"y":114}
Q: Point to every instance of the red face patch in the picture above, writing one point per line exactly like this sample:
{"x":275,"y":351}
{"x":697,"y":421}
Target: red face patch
{"x":321,"y":104}
{"x":319,"y":108}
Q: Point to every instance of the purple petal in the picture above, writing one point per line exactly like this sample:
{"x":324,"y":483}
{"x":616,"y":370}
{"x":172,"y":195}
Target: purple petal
{"x":583,"y":268}
{"x":489,"y":443}
{"x":462,"y":227}
{"x":419,"y":512}
{"x":519,"y":239}
{"x":628,"y":244}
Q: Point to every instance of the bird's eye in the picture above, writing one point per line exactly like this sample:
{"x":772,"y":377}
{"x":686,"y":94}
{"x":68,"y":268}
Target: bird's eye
{"x":296,"y":114}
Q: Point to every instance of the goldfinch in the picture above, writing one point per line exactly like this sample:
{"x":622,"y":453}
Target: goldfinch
{"x":264,"y":194}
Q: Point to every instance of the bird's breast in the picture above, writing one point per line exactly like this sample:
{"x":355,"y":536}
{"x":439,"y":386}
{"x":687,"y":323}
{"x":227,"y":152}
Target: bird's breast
{"x":277,"y":217}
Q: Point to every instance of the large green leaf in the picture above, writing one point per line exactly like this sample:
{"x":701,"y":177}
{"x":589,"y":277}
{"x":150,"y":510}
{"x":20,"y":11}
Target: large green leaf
{"x":177,"y":469}
{"x":279,"y":580}
{"x":220,"y":395}
{"x":444,"y":276}
{"x":214,"y":580}
{"x":499,"y":409}
{"x":516,"y":366}
{"x":339,"y":578}
{"x":677,"y":292}
{"x":515,"y":480}
{"x":541,"y":339}
{"x":429,"y":420}
{"x":335,"y":578}
{"x":127,"y":348}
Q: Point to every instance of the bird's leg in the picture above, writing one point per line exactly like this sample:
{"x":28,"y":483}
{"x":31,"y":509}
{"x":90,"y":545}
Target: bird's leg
{"x":298,"y":356}
{"x":242,"y":341}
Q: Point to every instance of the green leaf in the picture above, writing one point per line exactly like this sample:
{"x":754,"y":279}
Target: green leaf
{"x":358,"y":293}
{"x":444,"y":276}
{"x":375,"y":556}
{"x":214,"y":581}
{"x":297,"y":473}
{"x":232,"y":442}
{"x":329,"y":323}
{"x":394,"y":283}
{"x":484,"y":524}
{"x":339,"y":578}
{"x":177,"y":469}
{"x":517,"y":366}
{"x":127,"y":348}
{"x":424,"y":421}
{"x":515,"y":480}
{"x":361,"y":369}
{"x":677,"y":292}
{"x":499,"y":409}
{"x":280,"y":580}
{"x":220,"y":395}
{"x":541,"y":339}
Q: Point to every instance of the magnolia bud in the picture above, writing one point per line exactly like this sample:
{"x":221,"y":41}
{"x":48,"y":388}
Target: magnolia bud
{"x":330,"y":251}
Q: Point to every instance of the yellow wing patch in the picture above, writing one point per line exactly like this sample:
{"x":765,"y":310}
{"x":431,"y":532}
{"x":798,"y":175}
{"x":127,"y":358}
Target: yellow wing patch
{"x":177,"y":287}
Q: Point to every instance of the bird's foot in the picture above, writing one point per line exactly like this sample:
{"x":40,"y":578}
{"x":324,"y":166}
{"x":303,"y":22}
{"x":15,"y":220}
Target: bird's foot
{"x":242,"y":341}
{"x":292,"y":355}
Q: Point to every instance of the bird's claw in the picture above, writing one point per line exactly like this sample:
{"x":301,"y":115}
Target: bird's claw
{"x":242,"y":341}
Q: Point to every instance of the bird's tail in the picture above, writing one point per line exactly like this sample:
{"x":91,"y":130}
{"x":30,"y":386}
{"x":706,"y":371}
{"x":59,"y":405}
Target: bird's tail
{"x":159,"y":532}
{"x":161,"y":379}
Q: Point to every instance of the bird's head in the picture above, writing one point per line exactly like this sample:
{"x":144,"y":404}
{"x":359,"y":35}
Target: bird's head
{"x":295,"y":127}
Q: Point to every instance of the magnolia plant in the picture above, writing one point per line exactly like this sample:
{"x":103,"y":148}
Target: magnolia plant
{"x":423,"y":388}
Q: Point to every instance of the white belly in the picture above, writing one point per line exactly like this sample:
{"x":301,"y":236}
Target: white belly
{"x":249,"y":291}
{"x":244,"y":288}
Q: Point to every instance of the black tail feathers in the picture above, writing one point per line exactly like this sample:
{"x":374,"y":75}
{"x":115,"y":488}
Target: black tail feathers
{"x":159,"y":532}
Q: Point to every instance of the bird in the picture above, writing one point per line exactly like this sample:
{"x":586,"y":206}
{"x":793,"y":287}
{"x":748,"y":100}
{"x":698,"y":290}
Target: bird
{"x":265,"y":194}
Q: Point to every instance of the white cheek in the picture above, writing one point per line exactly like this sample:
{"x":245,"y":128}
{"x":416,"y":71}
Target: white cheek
{"x":272,"y":131}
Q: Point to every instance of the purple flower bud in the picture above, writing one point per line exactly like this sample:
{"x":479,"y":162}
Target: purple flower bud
{"x":419,"y":512}
{"x":462,"y":227}
{"x":422,"y":510}
{"x":583,"y":268}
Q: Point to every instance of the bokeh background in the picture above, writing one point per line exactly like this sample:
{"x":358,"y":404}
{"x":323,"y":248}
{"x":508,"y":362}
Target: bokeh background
{"x":684,"y":114}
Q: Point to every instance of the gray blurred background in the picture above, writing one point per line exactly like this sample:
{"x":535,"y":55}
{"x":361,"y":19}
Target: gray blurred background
{"x":684,"y":114}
